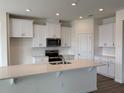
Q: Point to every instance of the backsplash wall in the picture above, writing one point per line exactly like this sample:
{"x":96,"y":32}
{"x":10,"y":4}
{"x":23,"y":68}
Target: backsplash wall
{"x":41,"y":51}
{"x":108,"y":51}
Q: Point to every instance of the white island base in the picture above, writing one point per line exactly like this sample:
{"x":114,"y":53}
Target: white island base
{"x":81,"y":80}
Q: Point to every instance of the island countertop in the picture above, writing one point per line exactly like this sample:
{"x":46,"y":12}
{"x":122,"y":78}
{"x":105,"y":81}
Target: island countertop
{"x":17,"y":71}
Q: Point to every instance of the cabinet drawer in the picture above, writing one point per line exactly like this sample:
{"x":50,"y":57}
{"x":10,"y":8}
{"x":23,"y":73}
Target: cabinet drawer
{"x":40,"y":60}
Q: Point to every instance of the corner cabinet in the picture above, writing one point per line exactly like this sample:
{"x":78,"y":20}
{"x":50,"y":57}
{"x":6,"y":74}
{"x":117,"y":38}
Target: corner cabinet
{"x":53,"y":30}
{"x":66,"y":36}
{"x":39,"y":39}
{"x":21,"y":28}
{"x":106,"y":35}
{"x":108,"y":69}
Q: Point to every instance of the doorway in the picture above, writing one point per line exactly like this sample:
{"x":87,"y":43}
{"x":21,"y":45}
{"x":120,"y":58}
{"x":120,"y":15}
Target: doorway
{"x":84,"y":46}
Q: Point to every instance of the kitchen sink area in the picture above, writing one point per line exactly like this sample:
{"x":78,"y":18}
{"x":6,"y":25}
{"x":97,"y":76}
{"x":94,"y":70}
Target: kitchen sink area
{"x":59,"y":62}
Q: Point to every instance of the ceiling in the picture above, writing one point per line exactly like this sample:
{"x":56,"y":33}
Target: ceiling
{"x":48,"y":8}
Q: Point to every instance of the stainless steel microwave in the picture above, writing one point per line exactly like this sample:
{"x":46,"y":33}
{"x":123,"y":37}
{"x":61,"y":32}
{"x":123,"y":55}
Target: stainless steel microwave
{"x":53,"y":42}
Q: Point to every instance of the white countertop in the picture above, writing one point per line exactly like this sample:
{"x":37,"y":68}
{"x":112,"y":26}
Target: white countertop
{"x":105,"y":56}
{"x":17,"y":71}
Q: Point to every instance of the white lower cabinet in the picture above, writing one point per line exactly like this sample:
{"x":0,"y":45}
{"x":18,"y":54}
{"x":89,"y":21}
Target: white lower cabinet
{"x":69,"y":57}
{"x":111,"y":69}
{"x":108,"y":69}
{"x":103,"y":70}
{"x":40,"y":59}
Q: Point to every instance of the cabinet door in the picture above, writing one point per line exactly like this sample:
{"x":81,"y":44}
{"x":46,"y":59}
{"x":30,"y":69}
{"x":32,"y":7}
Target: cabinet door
{"x":68,"y":57}
{"x":16,"y":27}
{"x":106,"y":35}
{"x":39,"y":39}
{"x":42,"y":35}
{"x":66,"y":36}
{"x":53,"y":30}
{"x":101,"y":36}
{"x":27,"y":28}
{"x":40,"y":60}
{"x":103,"y":69}
{"x":109,"y":35}
{"x":111,"y":70}
{"x":21,"y":28}
{"x":36,"y":36}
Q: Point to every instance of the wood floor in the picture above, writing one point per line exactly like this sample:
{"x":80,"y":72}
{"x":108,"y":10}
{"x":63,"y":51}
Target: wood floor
{"x":107,"y":85}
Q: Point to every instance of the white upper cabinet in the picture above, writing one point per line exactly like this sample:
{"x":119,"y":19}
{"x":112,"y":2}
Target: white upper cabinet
{"x":106,"y":35}
{"x":21,"y":28}
{"x":39,"y":39}
{"x":53,"y":30}
{"x":66,"y":36}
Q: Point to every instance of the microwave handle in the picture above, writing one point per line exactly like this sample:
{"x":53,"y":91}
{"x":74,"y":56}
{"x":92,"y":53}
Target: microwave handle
{"x":59,"y":42}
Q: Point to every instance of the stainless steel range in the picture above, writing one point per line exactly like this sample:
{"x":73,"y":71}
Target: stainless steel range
{"x":55,"y":58}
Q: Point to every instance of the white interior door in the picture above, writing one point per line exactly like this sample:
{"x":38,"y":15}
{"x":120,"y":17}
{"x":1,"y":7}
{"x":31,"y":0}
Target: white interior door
{"x":84,"y":46}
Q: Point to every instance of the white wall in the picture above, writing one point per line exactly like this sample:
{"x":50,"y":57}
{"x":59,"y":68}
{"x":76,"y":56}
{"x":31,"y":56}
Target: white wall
{"x":119,"y":52}
{"x":21,"y":51}
{"x":41,"y":51}
{"x":3,"y":39}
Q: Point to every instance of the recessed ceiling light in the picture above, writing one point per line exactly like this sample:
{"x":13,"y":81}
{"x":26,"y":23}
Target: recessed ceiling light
{"x":28,"y":10}
{"x":57,"y":14}
{"x":101,"y":9}
{"x":74,"y":4}
{"x":80,"y":17}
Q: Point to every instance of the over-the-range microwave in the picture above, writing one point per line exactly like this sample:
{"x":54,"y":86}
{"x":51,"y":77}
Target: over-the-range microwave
{"x":53,"y":42}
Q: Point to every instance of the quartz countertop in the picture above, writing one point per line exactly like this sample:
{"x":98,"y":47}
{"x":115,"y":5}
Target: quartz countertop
{"x":17,"y":71}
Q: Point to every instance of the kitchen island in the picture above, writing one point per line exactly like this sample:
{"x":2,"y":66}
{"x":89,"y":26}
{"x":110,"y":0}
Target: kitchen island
{"x":77,"y":77}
